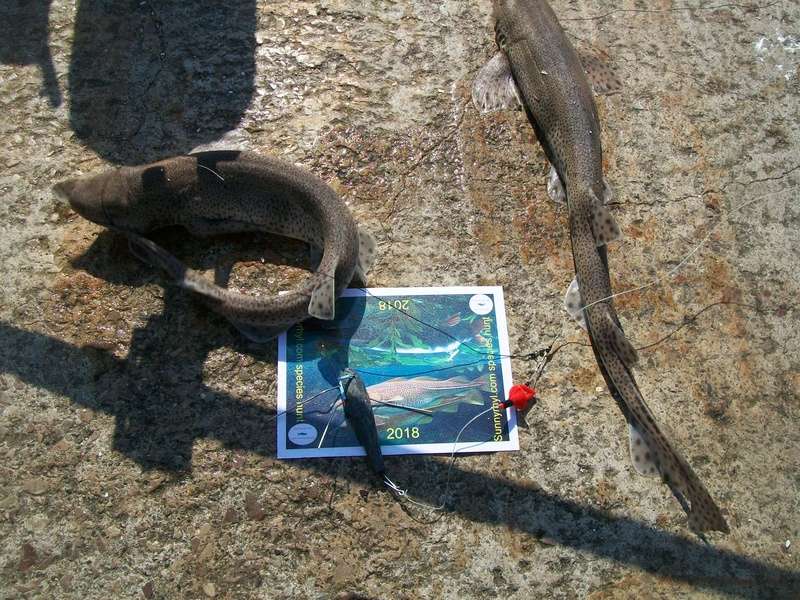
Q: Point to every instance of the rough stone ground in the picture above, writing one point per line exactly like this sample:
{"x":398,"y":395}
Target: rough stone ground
{"x":137,"y":444}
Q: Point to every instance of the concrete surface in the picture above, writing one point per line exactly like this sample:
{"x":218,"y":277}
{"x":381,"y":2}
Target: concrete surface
{"x":137,"y":445}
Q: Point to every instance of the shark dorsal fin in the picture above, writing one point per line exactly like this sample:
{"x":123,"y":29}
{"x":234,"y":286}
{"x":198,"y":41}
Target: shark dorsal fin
{"x":604,"y":226}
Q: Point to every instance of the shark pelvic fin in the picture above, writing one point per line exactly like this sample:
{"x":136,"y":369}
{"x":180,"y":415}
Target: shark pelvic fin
{"x":600,"y":75}
{"x":323,"y":299}
{"x":574,"y":304}
{"x":555,"y":187}
{"x":494,"y":88}
{"x":642,"y":455}
{"x":604,"y":227}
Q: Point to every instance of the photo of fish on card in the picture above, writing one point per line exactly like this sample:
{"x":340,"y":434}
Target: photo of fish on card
{"x":432,"y":360}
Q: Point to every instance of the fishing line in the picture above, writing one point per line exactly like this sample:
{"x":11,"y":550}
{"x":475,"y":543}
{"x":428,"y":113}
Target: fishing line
{"x":541,"y":353}
{"x":518,"y":398}
{"x":425,"y":372}
{"x":688,"y":256}
{"x":306,"y":401}
{"x":357,"y":404}
{"x":220,"y":177}
{"x":547,"y":353}
{"x":178,"y":268}
{"x":401,"y":493}
{"x":527,"y":356}
{"x":328,"y":424}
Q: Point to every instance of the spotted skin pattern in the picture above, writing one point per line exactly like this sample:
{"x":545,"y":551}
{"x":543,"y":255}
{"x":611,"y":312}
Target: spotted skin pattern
{"x":558,"y":101}
{"x":221,"y":191}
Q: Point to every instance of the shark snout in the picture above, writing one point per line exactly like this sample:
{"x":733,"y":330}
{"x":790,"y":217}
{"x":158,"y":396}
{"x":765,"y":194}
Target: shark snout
{"x":89,"y":206}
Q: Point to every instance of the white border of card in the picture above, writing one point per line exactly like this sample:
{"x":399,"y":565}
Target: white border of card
{"x":440,"y":448}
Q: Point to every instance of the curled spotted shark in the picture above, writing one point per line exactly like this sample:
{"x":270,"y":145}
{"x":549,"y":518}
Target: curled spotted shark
{"x":228,"y":191}
{"x":537,"y":68}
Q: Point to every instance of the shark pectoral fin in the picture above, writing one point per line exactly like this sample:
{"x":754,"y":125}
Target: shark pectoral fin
{"x":604,"y":227}
{"x":600,"y":75}
{"x":494,"y":87}
{"x":323,"y":299}
{"x":142,"y":252}
{"x":555,"y":189}
{"x":450,"y":404}
{"x":621,"y":344}
{"x":154,"y":255}
{"x":407,"y":420}
{"x":259,"y":333}
{"x":474,"y":397}
{"x":574,"y":304}
{"x":395,"y":399}
{"x":642,"y":455}
{"x":366,"y":256}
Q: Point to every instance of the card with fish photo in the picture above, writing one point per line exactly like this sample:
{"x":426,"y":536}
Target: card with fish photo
{"x":432,"y":360}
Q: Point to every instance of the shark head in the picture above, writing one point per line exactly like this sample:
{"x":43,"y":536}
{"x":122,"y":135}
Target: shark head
{"x":108,"y":198}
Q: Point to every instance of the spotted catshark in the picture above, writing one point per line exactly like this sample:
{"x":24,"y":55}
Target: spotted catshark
{"x":222,"y":191}
{"x":537,"y":67}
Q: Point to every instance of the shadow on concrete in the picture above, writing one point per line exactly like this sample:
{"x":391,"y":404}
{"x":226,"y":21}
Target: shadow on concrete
{"x":162,"y":406}
{"x":23,"y":41}
{"x":150,"y":79}
{"x":110,"y":259}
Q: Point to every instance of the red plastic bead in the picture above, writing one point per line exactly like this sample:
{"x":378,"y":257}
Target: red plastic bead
{"x":520,"y":396}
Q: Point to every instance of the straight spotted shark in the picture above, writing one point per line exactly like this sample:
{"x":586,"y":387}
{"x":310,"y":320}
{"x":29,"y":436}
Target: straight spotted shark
{"x":222,"y":191}
{"x":537,"y":68}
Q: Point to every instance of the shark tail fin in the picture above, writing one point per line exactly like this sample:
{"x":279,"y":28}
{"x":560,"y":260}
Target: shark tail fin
{"x":652,"y":453}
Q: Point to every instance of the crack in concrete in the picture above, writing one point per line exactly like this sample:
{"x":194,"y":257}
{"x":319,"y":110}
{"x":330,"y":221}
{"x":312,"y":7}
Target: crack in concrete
{"x":783,"y":175}
{"x":707,"y":192}
{"x":743,"y":7}
{"x":424,"y":154}
{"x":162,"y":55}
